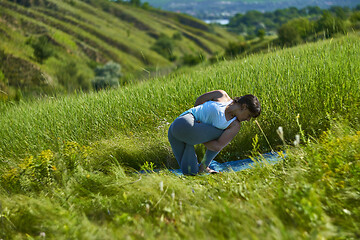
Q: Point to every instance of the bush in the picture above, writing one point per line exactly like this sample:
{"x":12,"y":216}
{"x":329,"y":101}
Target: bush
{"x":191,"y":60}
{"x":107,"y":76}
{"x":70,"y":78}
{"x":177,"y":36}
{"x":236,"y":48}
{"x":42,"y":48}
{"x":2,"y":77}
{"x":164,"y":46}
{"x":216,"y":58}
{"x":261,"y":34}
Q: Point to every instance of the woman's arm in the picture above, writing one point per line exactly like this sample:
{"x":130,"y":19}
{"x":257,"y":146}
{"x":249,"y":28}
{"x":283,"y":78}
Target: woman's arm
{"x":225,"y":138}
{"x":217,"y":95}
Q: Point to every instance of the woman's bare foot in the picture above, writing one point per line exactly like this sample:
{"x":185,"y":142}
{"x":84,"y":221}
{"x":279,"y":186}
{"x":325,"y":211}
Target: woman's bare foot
{"x":202,"y":169}
{"x":211,"y":171}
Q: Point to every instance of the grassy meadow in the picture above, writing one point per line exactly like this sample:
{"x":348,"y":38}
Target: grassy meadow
{"x":68,"y":164}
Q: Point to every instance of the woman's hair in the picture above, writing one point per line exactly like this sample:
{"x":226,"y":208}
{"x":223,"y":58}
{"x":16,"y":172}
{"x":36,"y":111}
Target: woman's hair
{"x":252,"y":103}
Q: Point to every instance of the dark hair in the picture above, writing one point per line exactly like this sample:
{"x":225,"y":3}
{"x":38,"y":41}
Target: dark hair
{"x":252,"y":103}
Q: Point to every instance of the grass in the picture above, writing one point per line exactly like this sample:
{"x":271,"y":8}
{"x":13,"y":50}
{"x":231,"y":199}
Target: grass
{"x":306,"y":196}
{"x":288,"y":82}
{"x":67,"y":163}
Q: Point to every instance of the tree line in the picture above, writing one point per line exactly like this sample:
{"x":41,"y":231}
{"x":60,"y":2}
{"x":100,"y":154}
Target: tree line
{"x":293,"y":25}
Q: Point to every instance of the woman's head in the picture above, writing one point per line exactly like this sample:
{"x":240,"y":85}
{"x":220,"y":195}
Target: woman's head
{"x":251,"y":102}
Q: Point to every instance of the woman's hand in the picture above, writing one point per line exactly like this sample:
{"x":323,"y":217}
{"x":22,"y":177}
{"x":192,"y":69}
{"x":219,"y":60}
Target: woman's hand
{"x":225,"y":138}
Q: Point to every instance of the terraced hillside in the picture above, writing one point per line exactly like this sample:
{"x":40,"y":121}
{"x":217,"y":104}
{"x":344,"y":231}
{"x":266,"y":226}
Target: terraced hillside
{"x":80,"y":35}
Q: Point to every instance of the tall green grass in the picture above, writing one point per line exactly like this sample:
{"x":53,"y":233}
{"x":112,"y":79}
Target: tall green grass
{"x":314,"y":194}
{"x":317,"y":82}
{"x":64,"y":161}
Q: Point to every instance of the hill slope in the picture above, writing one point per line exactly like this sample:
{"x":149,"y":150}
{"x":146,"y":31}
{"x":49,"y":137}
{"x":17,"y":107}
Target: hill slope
{"x":87,"y":33}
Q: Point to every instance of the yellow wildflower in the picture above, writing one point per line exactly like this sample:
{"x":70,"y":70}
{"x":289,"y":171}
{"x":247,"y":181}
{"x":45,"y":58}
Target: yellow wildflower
{"x":46,"y":156}
{"x":281,"y":154}
{"x":26,"y":163}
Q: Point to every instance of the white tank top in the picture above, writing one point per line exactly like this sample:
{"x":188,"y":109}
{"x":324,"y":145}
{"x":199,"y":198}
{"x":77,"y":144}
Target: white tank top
{"x":212,"y":113}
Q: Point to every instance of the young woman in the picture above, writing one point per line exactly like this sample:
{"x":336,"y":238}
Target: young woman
{"x":213,"y":121}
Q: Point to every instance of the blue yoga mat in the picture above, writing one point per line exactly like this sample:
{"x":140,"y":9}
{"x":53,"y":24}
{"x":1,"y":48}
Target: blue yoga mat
{"x":239,"y":165}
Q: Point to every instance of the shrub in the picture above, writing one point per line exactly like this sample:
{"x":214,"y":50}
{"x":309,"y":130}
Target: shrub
{"x":164,"y":46}
{"x":70,"y":78}
{"x":2,"y":78}
{"x":216,"y":58}
{"x":191,"y":60}
{"x":42,"y":48}
{"x":107,"y":76}
{"x":236,"y":48}
{"x":261,"y":33}
{"x":177,"y":36}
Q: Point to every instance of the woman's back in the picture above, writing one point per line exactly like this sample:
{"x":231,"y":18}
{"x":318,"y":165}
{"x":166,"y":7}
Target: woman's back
{"x":212,"y":113}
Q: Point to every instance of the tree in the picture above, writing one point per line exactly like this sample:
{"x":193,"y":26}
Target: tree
{"x":314,"y":10}
{"x":107,"y":76}
{"x":303,"y":26}
{"x":340,"y":12}
{"x":355,"y":20}
{"x":355,"y":17}
{"x":289,"y":35}
{"x":261,"y":34}
{"x":146,"y":6}
{"x":135,"y":3}
{"x":330,"y":24}
{"x":252,"y":17}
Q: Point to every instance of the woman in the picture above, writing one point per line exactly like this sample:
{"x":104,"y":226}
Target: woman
{"x":213,"y":121}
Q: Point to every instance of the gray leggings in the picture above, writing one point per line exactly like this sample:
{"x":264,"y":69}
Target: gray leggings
{"x":183,"y":134}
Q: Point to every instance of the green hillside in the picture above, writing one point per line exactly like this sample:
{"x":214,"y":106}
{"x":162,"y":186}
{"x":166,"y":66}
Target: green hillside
{"x":67,"y":163}
{"x":49,"y":45}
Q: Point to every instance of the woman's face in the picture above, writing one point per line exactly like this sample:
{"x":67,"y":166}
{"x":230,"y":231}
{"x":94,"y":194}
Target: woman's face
{"x":243,"y":114}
